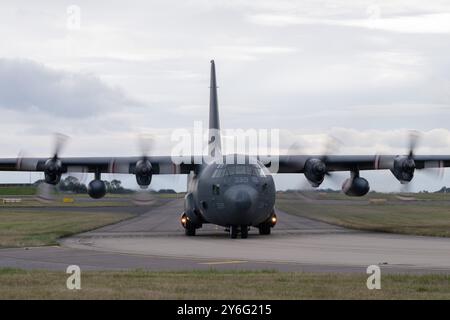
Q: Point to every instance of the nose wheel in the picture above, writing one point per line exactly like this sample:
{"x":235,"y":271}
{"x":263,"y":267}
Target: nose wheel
{"x":244,"y":232}
{"x":236,"y":229}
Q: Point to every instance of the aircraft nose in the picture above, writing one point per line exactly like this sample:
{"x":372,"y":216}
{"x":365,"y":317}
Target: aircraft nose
{"x":242,"y":200}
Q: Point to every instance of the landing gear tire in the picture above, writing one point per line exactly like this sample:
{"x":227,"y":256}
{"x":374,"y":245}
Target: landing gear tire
{"x":264,"y":228}
{"x":244,"y":232}
{"x":233,"y":232}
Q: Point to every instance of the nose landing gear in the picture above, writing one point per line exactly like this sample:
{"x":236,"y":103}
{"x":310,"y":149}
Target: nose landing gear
{"x":236,"y":229}
{"x":244,"y":232}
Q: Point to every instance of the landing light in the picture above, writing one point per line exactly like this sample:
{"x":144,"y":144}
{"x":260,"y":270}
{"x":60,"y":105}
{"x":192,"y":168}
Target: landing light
{"x":183,"y":220}
{"x":274,"y":219}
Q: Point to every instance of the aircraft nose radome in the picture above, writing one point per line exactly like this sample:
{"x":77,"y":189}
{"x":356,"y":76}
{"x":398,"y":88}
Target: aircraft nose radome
{"x":243,"y":201}
{"x":239,"y":200}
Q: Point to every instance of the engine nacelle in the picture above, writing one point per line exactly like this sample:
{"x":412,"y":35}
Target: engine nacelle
{"x":52,"y":171}
{"x":403,"y":168}
{"x":355,"y":187}
{"x":143,"y":173}
{"x":315,"y":170}
{"x":97,"y":189}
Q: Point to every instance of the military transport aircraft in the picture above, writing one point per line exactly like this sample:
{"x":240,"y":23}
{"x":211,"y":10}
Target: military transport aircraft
{"x":234,"y":195}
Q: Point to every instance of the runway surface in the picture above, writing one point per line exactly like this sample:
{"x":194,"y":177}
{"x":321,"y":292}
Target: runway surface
{"x":155,"y":240}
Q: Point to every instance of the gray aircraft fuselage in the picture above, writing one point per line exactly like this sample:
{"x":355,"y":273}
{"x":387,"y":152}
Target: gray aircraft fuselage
{"x":231,"y":194}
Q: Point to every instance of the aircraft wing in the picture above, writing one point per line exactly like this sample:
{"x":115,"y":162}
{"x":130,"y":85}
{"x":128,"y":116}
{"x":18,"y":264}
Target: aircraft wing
{"x":160,"y":164}
{"x":296,"y":163}
{"x":167,"y":165}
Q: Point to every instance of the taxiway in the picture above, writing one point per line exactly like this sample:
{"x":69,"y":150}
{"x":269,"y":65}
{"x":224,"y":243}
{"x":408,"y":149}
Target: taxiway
{"x":155,"y":240}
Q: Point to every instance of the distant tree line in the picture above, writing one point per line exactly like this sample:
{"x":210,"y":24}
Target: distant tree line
{"x":443,"y":190}
{"x":73,"y":185}
{"x":328,"y":190}
{"x":166,"y":191}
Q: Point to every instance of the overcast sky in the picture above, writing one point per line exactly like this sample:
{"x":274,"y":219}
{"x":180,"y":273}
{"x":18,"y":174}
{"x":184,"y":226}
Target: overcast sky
{"x":362,"y":71}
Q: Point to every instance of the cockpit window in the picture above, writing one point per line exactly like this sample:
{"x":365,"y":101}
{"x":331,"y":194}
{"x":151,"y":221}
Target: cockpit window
{"x":239,"y":169}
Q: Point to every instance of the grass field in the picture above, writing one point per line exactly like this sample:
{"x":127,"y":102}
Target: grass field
{"x":79,"y":200}
{"x":38,"y":228}
{"x":20,"y":284}
{"x":423,"y":196}
{"x":25,"y":191}
{"x":429,"y":217}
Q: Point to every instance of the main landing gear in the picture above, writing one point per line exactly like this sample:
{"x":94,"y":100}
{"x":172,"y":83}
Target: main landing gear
{"x":189,"y":227}
{"x":189,"y":230}
{"x":266,"y":226}
{"x":236,"y":229}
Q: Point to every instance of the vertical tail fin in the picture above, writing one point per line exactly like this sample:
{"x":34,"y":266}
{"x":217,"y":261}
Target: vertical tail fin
{"x":214,"y":142}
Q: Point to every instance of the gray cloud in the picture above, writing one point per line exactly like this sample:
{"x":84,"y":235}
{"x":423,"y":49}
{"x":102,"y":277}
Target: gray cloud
{"x":27,"y":86}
